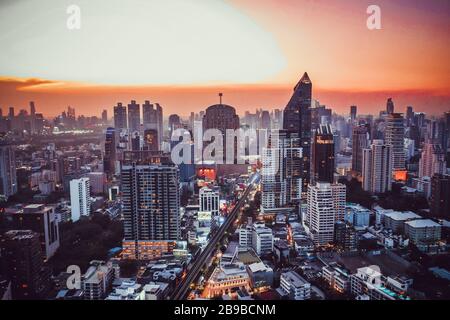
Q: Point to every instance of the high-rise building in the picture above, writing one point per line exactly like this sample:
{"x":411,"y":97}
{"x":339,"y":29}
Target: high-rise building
{"x":377,"y":167}
{"x":325,"y":206}
{"x":151,"y":204}
{"x":38,"y":218}
{"x":209,"y":201}
{"x":353,"y":112}
{"x":432,"y":160}
{"x":120,"y":117}
{"x":222,"y":117}
{"x":297,"y":119}
{"x":80,"y":198}
{"x":152,"y":119}
{"x":390,"y":106}
{"x":134,"y":117}
{"x":360,"y":141}
{"x":32,"y":117}
{"x":440,"y":195}
{"x":174,"y":123}
{"x":323,"y":154}
{"x":281,"y":180}
{"x":8,"y":176}
{"x":394,"y":135}
{"x":109,"y":161}
{"x":104,"y":116}
{"x":409,"y":115}
{"x":21,"y":259}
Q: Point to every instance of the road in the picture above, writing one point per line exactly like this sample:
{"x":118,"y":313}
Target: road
{"x":180,"y":293}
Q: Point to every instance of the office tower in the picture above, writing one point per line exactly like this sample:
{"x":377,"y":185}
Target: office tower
{"x":80,"y":201}
{"x":39,"y":123}
{"x":222,"y":117}
{"x":8,"y":176}
{"x":97,"y":182}
{"x":151,"y":204}
{"x":11,"y":113}
{"x":325,"y":206}
{"x":409,"y":115}
{"x":360,"y":141}
{"x":281,"y":181}
{"x":432,"y":160}
{"x":98,"y":280}
{"x":109,"y":161}
{"x":152,"y":118}
{"x":377,"y":167}
{"x":440,"y":195}
{"x":353,"y":112}
{"x":297,"y":119}
{"x":323,"y":154}
{"x":23,"y":263}
{"x":209,"y":201}
{"x":265,"y":120}
{"x":390,"y":106}
{"x":32,"y":117}
{"x":174,"y":123}
{"x":120,"y":117}
{"x":394,"y":135}
{"x":38,"y":218}
{"x":134,"y":117}
{"x":104,"y":116}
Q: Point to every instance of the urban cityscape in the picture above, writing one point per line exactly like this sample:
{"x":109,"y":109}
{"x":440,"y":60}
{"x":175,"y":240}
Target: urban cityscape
{"x":297,"y":200}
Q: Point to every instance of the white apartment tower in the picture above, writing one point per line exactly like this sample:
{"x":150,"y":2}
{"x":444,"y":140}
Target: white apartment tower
{"x":377,"y":167}
{"x":325,"y":206}
{"x":80,"y":201}
{"x":394,"y":135}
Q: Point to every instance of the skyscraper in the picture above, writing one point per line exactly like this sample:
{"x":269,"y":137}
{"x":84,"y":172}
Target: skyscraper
{"x":80,"y":198}
{"x":390,"y":106}
{"x":394,"y":135}
{"x":134,"y":117}
{"x":8,"y":176}
{"x":281,"y":180}
{"x":377,"y":167}
{"x":151,"y":203}
{"x":326,"y":206}
{"x":432,"y":160}
{"x":323,"y":154}
{"x":120,"y":117}
{"x":152,"y":118}
{"x":353,"y":112}
{"x":109,"y":161}
{"x":360,"y":141}
{"x":32,"y":117}
{"x":104,"y":116}
{"x":297,"y":119}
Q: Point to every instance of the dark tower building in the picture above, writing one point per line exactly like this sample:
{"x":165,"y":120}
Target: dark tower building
{"x":134,"y":116}
{"x":390,"y":106}
{"x":360,"y":141}
{"x":297,"y":119}
{"x":323,"y":155}
{"x":109,"y":161}
{"x":120,"y":117}
{"x":353,"y":112}
{"x":22,"y":261}
{"x":440,"y":196}
{"x":104,"y":116}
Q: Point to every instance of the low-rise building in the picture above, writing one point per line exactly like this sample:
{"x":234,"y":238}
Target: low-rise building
{"x":295,"y":286}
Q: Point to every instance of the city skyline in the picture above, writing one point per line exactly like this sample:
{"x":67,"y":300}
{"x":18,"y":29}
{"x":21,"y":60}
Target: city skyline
{"x":405,"y":60}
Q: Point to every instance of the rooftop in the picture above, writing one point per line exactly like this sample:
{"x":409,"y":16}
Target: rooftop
{"x":422,"y":223}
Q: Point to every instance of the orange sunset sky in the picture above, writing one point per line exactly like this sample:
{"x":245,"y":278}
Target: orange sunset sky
{"x":181,"y":53}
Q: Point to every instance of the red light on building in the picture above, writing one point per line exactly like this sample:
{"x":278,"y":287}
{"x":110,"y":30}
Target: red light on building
{"x":400,"y":175}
